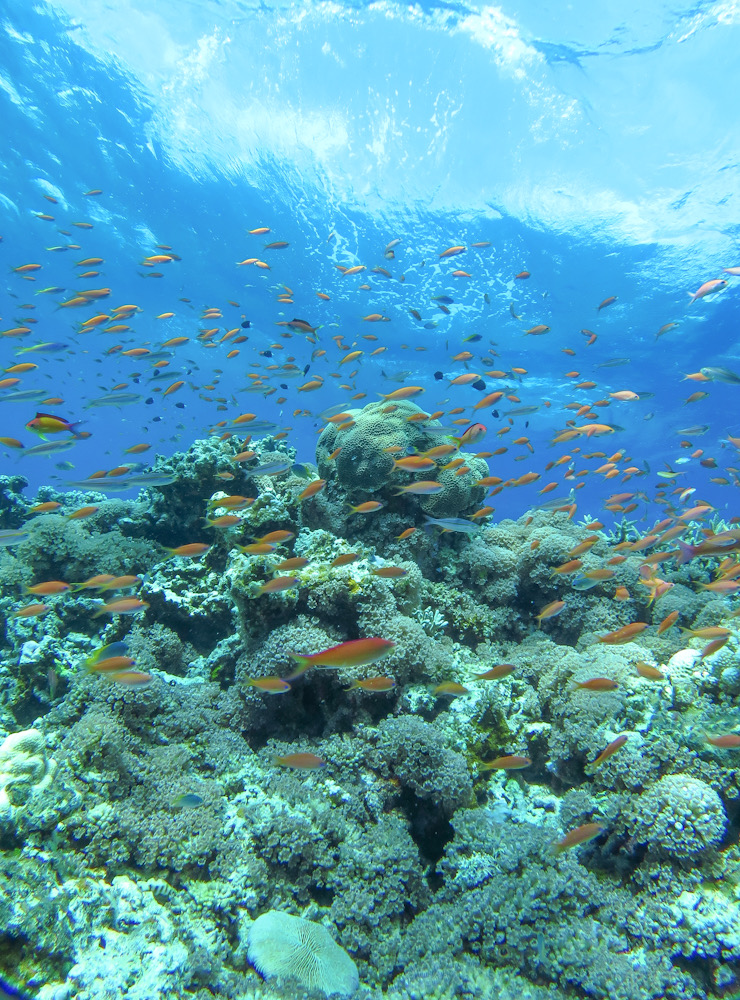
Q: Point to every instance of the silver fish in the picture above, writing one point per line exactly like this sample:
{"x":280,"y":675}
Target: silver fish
{"x":269,"y":469}
{"x":12,"y":537}
{"x":50,"y":447}
{"x":23,"y":395}
{"x":555,"y":502}
{"x":453,"y":524}
{"x":115,"y":399}
{"x":520,"y":411}
{"x":721,"y":375}
{"x":614,"y":363}
{"x":694,"y":431}
{"x":582,"y":582}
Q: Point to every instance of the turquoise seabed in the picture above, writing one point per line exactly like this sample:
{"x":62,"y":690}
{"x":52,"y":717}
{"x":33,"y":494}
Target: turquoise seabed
{"x":368,"y":535}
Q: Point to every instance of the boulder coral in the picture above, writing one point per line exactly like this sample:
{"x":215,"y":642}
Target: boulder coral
{"x":365,"y":467}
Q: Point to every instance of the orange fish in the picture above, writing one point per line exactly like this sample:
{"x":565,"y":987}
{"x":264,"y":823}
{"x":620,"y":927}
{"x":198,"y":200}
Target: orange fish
{"x":83,"y":512}
{"x":667,"y":622}
{"x":511,"y":762}
{"x":271,"y":685}
{"x":648,"y":671}
{"x":278,"y":536}
{"x":597,"y":684}
{"x":345,"y":559}
{"x":278,"y":584}
{"x":549,"y":611}
{"x":190,"y":551}
{"x":624,"y":634}
{"x":301,"y":761}
{"x":450,"y":688}
{"x":368,"y":507}
{"x":355,"y":653}
{"x":32,"y":611}
{"x":48,"y":588}
{"x":730,"y":741}
{"x":131,"y":678}
{"x":495,"y":673}
{"x":373,"y":684}
{"x":122,"y":606}
{"x":312,"y":489}
{"x":581,"y":835}
{"x":715,"y":285}
{"x":608,"y":751}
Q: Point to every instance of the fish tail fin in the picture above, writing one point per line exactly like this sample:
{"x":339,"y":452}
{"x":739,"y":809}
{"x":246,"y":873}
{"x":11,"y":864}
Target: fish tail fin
{"x":686,"y":553}
{"x":304,"y":664}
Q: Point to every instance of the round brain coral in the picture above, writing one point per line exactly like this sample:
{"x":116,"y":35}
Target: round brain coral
{"x":284,"y":946}
{"x":364,"y":464}
{"x":679,"y":816}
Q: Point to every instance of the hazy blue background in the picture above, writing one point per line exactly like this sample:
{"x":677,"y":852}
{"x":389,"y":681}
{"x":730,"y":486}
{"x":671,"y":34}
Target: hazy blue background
{"x":595,"y":145}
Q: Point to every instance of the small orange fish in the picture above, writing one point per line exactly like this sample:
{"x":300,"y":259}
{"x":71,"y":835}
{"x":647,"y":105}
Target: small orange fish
{"x":277,"y":537}
{"x":32,"y":611}
{"x":122,"y":606}
{"x":608,"y":751}
{"x":271,"y":685}
{"x":581,"y":835}
{"x":597,"y":684}
{"x":48,"y":588}
{"x":423,"y":487}
{"x":495,"y":673}
{"x":111,"y":664}
{"x":406,"y":533}
{"x":414,"y":463}
{"x":450,"y":688}
{"x":131,"y":678}
{"x":44,"y":508}
{"x":390,"y":572}
{"x":549,"y":611}
{"x":730,"y":741}
{"x":278,"y":584}
{"x":345,"y":559}
{"x":297,"y":562}
{"x":82,"y":512}
{"x":257,"y":548}
{"x":301,"y":761}
{"x":191,"y":550}
{"x":377,"y":684}
{"x":511,"y":762}
{"x":569,"y":567}
{"x":648,"y":671}
{"x":406,"y":392}
{"x":368,"y":507}
{"x":624,"y":634}
{"x":312,"y":489}
{"x":667,"y":622}
{"x":713,"y":647}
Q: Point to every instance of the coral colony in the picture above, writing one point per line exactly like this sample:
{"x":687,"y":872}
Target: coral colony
{"x":289,"y":741}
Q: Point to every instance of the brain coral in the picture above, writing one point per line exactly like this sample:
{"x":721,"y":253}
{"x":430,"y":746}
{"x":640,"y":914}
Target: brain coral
{"x":280,"y":945}
{"x":678,"y":816}
{"x":23,"y":765}
{"x":364,"y":464}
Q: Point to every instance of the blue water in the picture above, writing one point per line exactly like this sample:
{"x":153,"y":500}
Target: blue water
{"x":595,"y":146}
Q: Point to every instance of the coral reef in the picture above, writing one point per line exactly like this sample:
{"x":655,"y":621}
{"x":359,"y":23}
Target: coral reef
{"x":411,"y":814}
